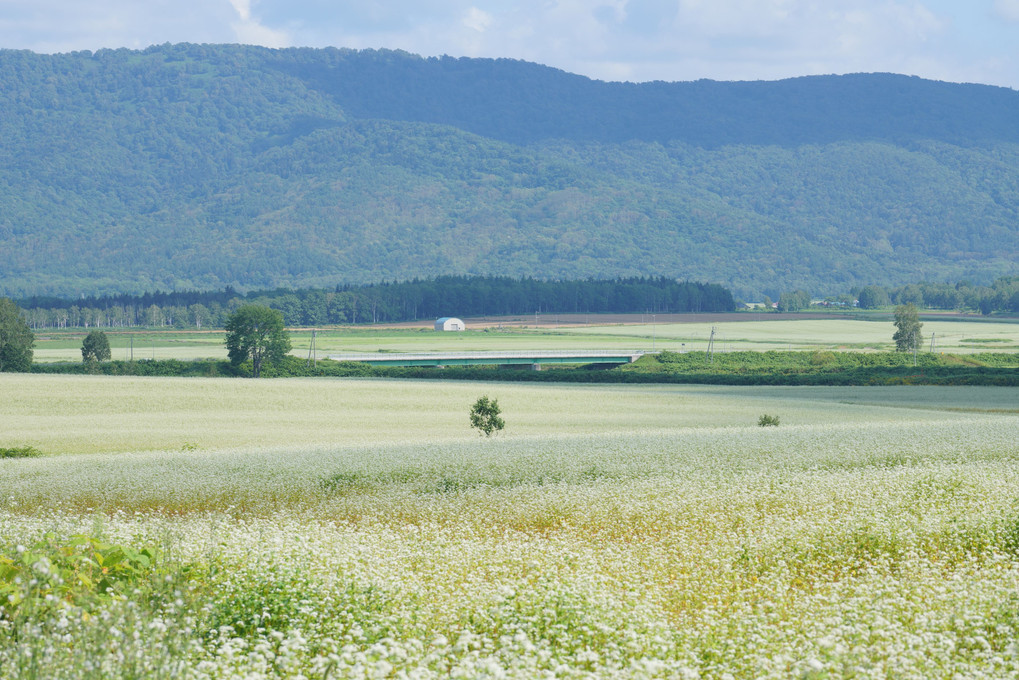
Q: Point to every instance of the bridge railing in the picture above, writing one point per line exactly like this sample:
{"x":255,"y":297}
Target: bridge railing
{"x":479,"y":355}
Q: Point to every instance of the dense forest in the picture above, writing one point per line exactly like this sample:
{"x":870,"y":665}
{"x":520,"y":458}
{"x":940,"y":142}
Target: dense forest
{"x":386,"y":302}
{"x":197,"y":167}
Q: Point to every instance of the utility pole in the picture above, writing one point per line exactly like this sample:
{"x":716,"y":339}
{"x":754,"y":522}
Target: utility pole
{"x":312,"y":351}
{"x":711,"y":346}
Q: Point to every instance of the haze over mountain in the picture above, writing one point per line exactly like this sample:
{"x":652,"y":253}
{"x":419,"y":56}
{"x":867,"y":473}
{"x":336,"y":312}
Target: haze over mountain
{"x":202,"y":166}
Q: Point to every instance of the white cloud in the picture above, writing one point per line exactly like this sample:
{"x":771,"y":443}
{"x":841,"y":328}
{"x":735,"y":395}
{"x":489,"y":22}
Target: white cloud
{"x":477,"y":20}
{"x":66,"y":25}
{"x":739,"y":17}
{"x":250,"y":31}
{"x":766,"y":39}
{"x":883,"y":33}
{"x":243,"y":9}
{"x":1007,"y":10}
{"x":691,"y":39}
{"x":253,"y":33}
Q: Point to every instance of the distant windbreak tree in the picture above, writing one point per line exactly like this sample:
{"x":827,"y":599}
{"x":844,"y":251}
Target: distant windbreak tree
{"x":794,"y":301}
{"x":872,"y":297}
{"x":257,"y":333}
{"x":907,"y":334}
{"x":95,"y":348}
{"x":16,"y":338}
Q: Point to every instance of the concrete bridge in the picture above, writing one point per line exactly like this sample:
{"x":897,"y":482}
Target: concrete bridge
{"x":535,"y":358}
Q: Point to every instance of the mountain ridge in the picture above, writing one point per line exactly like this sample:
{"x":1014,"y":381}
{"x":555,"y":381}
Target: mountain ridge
{"x":350,"y":83}
{"x":205,"y":166}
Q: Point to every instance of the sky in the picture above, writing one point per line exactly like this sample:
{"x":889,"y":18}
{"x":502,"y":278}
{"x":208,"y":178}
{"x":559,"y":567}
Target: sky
{"x":635,"y":40}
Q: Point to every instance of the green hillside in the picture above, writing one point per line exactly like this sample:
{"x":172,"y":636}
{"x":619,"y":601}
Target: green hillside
{"x":200,"y":167}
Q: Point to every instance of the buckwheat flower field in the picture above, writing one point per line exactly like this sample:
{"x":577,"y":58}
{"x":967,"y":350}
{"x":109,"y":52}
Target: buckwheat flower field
{"x":361,"y":529}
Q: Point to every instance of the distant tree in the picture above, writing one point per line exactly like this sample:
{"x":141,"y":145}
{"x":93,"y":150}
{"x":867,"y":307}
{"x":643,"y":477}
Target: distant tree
{"x":200,"y":315}
{"x":941,"y":296}
{"x":485,"y":416}
{"x":872,"y":297}
{"x":95,"y":348}
{"x":291,"y":308}
{"x":16,"y":338}
{"x":910,"y":294}
{"x":907,"y":335}
{"x":794,"y":301}
{"x":256,"y":332}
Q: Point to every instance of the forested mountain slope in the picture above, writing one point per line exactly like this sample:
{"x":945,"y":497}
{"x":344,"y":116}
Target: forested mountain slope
{"x":197,"y":166}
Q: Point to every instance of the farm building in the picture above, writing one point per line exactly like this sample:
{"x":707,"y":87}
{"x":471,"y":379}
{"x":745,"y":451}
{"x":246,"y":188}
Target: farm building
{"x":449,"y":323}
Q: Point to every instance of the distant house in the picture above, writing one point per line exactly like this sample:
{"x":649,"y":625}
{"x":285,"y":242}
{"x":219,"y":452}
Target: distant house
{"x":449,"y":323}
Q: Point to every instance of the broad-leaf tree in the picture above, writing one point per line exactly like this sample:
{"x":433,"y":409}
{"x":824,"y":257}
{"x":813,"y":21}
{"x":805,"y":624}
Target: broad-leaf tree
{"x":16,"y":338}
{"x":872,"y":297}
{"x":794,"y":301}
{"x":256,"y":332}
{"x":95,"y":348}
{"x":485,"y":416}
{"x":907,"y":335}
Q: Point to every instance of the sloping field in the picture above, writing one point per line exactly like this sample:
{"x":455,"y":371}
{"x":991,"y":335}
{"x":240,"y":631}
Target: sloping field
{"x":338,"y":528}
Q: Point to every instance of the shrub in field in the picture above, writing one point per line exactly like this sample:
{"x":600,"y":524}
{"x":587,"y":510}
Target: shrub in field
{"x":19,"y":452}
{"x":766,"y":421}
{"x":822,"y":358}
{"x":485,"y":416}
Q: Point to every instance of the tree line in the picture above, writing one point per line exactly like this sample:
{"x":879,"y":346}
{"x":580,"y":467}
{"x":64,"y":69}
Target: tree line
{"x":384,"y":302}
{"x":1001,"y":296}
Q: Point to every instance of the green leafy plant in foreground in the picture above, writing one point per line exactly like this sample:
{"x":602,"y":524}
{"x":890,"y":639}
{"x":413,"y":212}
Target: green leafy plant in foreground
{"x":19,"y":452}
{"x":81,"y":570}
{"x":768,"y":421}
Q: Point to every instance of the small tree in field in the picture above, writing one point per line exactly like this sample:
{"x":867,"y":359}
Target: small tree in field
{"x":256,"y":332}
{"x":908,"y":336}
{"x":95,"y":348}
{"x":485,"y":416}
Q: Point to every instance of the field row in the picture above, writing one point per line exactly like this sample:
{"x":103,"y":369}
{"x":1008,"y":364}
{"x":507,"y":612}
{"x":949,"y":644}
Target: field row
{"x":760,"y":334}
